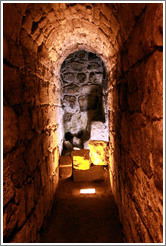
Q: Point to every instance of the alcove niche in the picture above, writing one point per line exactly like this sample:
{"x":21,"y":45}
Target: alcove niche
{"x":84,"y":100}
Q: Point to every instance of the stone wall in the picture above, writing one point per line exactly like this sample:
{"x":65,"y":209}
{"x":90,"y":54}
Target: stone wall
{"x":30,"y":132}
{"x":136,"y":134}
{"x":84,"y":98}
{"x":37,"y":39}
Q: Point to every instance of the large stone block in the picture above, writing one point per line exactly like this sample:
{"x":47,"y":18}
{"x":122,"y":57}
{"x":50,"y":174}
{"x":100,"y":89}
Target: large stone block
{"x":96,"y":77}
{"x":81,"y":159}
{"x":5,"y":48}
{"x":96,"y":12}
{"x":65,"y":168}
{"x":89,"y":89}
{"x":148,"y":205}
{"x":153,"y":24}
{"x":37,"y":184}
{"x":31,"y":91}
{"x":28,"y":42}
{"x":77,"y":66}
{"x":126,"y":20}
{"x":48,"y":117}
{"x":18,"y":170}
{"x":12,"y":25}
{"x":12,"y":85}
{"x":28,"y":232}
{"x":98,"y":152}
{"x":141,"y":142}
{"x":27,"y":22}
{"x":29,"y":197}
{"x":53,"y":162}
{"x":136,"y":232}
{"x":88,"y":102}
{"x":99,"y":131}
{"x":105,"y":29}
{"x":77,"y":142}
{"x":71,"y":89}
{"x":95,"y":173}
{"x":10,"y":129}
{"x":39,"y":213}
{"x":157,"y":153}
{"x":24,"y":123}
{"x":21,"y":201}
{"x":44,"y":174}
{"x":77,"y":123}
{"x":152,"y":105}
{"x":125,"y":130}
{"x":115,"y":121}
{"x":34,"y":153}
{"x":81,"y":77}
{"x":105,"y":21}
{"x":69,"y":104}
{"x":44,"y":92}
{"x":69,"y":77}
{"x":136,"y":81}
{"x":123,"y":96}
{"x":16,"y":56}
{"x":10,"y":219}
{"x":54,"y":93}
{"x":113,"y":98}
{"x":8,"y":187}
{"x":106,"y":11}
{"x":147,"y":34}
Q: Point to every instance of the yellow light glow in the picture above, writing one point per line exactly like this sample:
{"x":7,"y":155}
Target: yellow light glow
{"x":87,"y":191}
{"x":81,"y":159}
{"x":98,"y":150}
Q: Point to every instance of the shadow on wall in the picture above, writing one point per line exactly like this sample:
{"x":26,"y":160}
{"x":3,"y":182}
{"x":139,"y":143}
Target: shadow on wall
{"x":83,"y":78}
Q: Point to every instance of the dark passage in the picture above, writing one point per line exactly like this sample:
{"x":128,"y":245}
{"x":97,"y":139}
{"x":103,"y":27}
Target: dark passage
{"x":80,"y":218}
{"x":83,"y":92}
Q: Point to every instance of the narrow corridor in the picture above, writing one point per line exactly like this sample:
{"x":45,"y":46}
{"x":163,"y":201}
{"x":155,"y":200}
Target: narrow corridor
{"x":83,"y":90}
{"x":83,"y":218}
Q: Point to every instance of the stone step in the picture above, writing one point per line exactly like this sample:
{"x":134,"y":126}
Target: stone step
{"x":81,"y":159}
{"x":65,"y":167}
{"x":95,"y":173}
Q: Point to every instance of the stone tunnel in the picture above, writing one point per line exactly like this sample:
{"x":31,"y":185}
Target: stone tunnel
{"x":74,"y":73}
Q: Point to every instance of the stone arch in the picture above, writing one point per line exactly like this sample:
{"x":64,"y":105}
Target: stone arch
{"x":86,"y":100}
{"x":54,"y":31}
{"x":129,"y":39}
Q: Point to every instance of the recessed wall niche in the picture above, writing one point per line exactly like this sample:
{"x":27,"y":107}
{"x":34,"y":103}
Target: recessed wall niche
{"x":84,"y":100}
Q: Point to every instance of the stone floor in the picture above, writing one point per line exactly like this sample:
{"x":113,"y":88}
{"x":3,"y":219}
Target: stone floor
{"x":80,"y":218}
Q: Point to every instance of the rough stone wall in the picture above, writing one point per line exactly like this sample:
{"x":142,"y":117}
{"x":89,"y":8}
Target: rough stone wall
{"x":37,"y":38}
{"x":136,"y":156}
{"x":30,"y":132}
{"x":84,"y":98}
{"x":55,"y":30}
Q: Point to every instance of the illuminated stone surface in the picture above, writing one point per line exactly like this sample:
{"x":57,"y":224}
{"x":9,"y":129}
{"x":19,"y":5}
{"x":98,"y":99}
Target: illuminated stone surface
{"x":99,"y":131}
{"x":83,"y":79}
{"x":81,"y":159}
{"x":65,"y":169}
{"x":95,"y":173}
{"x":98,"y":152}
{"x":38,"y":37}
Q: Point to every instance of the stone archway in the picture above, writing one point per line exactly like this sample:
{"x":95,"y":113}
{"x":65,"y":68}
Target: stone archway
{"x":37,"y":39}
{"x":84,"y":99}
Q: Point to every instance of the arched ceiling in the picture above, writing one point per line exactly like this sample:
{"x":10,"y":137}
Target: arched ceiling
{"x":54,"y":30}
